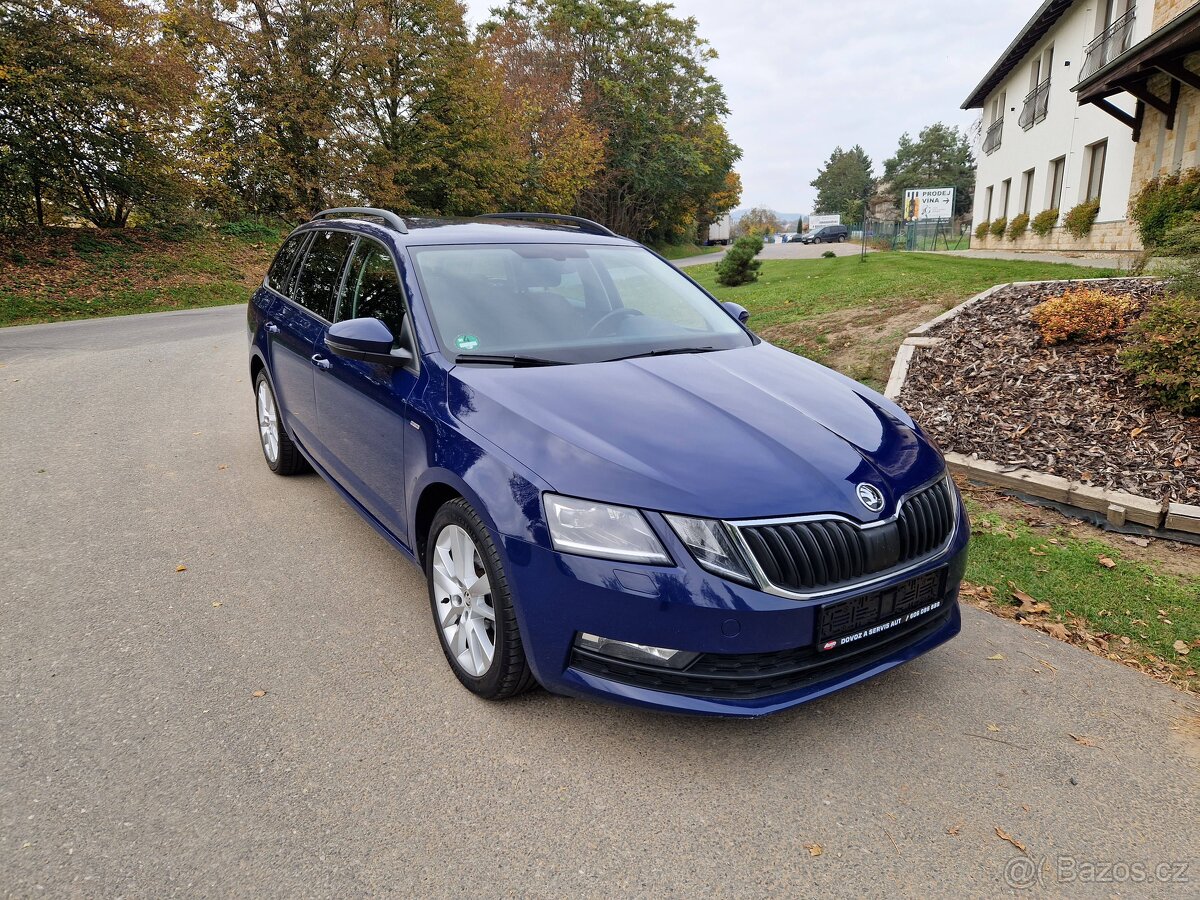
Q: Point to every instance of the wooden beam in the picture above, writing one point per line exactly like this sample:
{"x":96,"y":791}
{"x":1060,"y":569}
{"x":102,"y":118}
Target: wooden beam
{"x":1139,"y":119}
{"x":1180,"y":73}
{"x":1116,"y":112}
{"x":1174,"y":105}
{"x":1142,"y":92}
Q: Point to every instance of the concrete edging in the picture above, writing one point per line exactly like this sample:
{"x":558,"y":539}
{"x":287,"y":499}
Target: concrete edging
{"x":1119,"y":509}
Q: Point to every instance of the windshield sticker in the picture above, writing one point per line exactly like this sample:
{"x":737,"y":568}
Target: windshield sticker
{"x":466,"y":342}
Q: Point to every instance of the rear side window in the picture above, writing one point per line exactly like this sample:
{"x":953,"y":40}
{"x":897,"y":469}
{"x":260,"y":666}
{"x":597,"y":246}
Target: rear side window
{"x":321,"y":272}
{"x":278,"y":275}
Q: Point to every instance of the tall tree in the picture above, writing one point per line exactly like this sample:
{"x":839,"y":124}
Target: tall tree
{"x":91,"y":93}
{"x":845,"y":180}
{"x":940,"y":157}
{"x":640,"y":76}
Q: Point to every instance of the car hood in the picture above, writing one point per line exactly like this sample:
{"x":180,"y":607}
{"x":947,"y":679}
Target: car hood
{"x":749,"y":433}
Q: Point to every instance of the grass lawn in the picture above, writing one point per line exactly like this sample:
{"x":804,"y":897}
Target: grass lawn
{"x":1137,"y":608}
{"x":852,"y":314}
{"x":683,"y":251}
{"x":59,"y":274}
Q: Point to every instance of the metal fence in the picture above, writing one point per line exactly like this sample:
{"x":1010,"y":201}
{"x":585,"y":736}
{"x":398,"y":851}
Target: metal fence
{"x":931,"y":234}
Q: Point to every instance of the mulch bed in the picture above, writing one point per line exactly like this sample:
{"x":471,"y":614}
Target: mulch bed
{"x":990,"y":389}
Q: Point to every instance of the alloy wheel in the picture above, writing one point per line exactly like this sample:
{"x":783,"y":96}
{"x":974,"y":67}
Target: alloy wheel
{"x":463,"y":598}
{"x":268,"y":422}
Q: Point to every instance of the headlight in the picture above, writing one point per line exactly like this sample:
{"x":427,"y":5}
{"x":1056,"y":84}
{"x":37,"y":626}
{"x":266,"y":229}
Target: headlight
{"x":711,"y":544}
{"x":599,"y":529}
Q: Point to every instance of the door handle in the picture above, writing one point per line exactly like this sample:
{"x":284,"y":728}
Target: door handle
{"x":321,"y":362}
{"x":271,"y":328}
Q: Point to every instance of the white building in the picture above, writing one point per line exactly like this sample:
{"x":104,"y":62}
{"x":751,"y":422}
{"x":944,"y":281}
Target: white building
{"x":1043,"y":150}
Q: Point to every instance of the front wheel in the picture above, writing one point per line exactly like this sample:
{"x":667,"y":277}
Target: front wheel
{"x":472,"y":606}
{"x":282,"y":455}
{"x":841,"y":239}
{"x":816,"y":240}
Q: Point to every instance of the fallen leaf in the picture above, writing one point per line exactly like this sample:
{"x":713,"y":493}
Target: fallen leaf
{"x":1081,"y":741}
{"x":1181,"y":648}
{"x":181,"y":568}
{"x":1057,"y":630}
{"x":1035,"y":552}
{"x":1136,"y":432}
{"x":1125,"y":641}
{"x":222,"y":467}
{"x":1107,"y":561}
{"x":217,"y":604}
{"x":996,"y":656}
{"x":1140,"y":541}
{"x":953,"y":830}
{"x":992,"y":727}
{"x":259,"y":694}
{"x":1005,"y":836}
{"x":814,"y":849}
{"x":1028,"y":604}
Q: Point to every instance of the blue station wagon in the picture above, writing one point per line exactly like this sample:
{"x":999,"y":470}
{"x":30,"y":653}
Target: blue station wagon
{"x":614,"y":488}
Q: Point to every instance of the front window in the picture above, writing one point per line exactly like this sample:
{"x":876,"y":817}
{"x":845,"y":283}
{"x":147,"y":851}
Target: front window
{"x":566,"y":303}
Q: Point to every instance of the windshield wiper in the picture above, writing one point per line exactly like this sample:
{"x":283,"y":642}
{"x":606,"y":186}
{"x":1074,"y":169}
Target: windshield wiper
{"x":517,"y":362}
{"x":674,"y":351}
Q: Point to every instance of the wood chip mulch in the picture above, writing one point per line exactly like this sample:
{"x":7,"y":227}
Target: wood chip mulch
{"x":991,"y":389}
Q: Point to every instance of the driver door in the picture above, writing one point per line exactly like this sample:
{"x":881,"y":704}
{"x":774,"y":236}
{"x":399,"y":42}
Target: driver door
{"x":362,"y":407}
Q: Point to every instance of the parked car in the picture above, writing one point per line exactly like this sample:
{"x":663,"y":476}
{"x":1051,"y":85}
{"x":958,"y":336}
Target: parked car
{"x":614,"y":488}
{"x":828,"y":234}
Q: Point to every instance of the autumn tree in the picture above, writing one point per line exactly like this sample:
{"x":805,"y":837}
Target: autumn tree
{"x":560,"y":150}
{"x":940,"y":157}
{"x":759,"y":221}
{"x":639,"y":76}
{"x":845,"y":178}
{"x":91,"y":97}
{"x":718,"y":205}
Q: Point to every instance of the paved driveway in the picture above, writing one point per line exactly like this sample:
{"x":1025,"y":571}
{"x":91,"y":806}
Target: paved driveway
{"x":790,"y":250}
{"x":134,"y":758}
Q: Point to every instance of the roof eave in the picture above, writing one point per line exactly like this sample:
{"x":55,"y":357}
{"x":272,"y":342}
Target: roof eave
{"x":1002,"y":66}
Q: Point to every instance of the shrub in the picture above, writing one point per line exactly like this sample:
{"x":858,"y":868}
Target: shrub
{"x":982,"y":229}
{"x":1017,"y":226}
{"x":1083,"y":314}
{"x":828,"y":254}
{"x":1044,"y":222}
{"x":1080,"y":219}
{"x":739,"y":266}
{"x":999,"y":226}
{"x":1165,"y":203}
{"x":1164,"y":357}
{"x":248,"y":229}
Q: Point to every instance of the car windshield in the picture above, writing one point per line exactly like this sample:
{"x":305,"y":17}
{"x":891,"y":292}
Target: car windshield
{"x":566,"y":303}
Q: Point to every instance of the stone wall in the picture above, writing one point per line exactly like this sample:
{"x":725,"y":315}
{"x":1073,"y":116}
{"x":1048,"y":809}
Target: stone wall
{"x":1105,"y":237}
{"x":1166,"y":10}
{"x":1161,"y":151}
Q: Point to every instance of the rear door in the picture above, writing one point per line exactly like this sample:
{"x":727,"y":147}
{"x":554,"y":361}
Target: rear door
{"x":362,"y":408}
{"x":301,"y":321}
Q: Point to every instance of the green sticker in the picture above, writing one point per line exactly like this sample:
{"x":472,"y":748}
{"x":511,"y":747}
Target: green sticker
{"x":466,"y":342}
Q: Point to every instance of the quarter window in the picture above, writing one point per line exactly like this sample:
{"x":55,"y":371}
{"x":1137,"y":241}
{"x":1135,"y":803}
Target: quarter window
{"x":321,"y":272}
{"x":372,"y":289}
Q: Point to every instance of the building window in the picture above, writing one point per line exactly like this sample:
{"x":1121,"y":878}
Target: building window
{"x":1027,"y":191}
{"x":1005,"y":190}
{"x":987,"y":212}
{"x":1096,"y":154}
{"x":1058,"y":168}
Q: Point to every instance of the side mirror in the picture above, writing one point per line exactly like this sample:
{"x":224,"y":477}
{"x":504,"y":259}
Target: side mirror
{"x":738,"y":311}
{"x":366,"y":339}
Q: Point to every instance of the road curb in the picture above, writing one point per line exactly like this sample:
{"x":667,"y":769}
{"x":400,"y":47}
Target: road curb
{"x":1117,"y":510}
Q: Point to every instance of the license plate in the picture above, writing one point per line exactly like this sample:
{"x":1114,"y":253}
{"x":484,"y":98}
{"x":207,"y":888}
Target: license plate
{"x":857,"y":618}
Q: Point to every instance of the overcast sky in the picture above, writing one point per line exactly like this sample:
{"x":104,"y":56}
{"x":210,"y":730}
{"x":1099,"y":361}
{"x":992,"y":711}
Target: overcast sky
{"x":804,"y":76}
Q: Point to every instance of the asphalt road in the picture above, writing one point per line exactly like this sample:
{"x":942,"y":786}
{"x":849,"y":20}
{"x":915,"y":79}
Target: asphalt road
{"x":136,"y":760}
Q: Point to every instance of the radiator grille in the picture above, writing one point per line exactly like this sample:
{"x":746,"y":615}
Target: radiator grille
{"x":823,"y":554}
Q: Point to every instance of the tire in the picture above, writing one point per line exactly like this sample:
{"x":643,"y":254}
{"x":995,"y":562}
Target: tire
{"x":841,"y":239}
{"x":507,"y":672}
{"x":817,"y":240}
{"x":282,"y":455}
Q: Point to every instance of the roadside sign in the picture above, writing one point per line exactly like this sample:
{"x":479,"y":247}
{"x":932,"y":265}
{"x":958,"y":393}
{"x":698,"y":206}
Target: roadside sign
{"x":928,"y":203}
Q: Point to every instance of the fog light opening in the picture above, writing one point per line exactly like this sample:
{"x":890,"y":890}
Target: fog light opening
{"x":638,"y":653}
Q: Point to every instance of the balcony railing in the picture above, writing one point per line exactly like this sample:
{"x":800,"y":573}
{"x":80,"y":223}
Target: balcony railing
{"x":1111,"y":43}
{"x":1036,"y":104}
{"x":991,"y":141}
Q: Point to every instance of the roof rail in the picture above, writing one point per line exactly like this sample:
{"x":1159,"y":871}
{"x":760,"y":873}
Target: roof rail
{"x":587,"y":226}
{"x":342,"y":212}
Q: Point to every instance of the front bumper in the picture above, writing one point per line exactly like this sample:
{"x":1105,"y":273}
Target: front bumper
{"x":758,"y":650}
